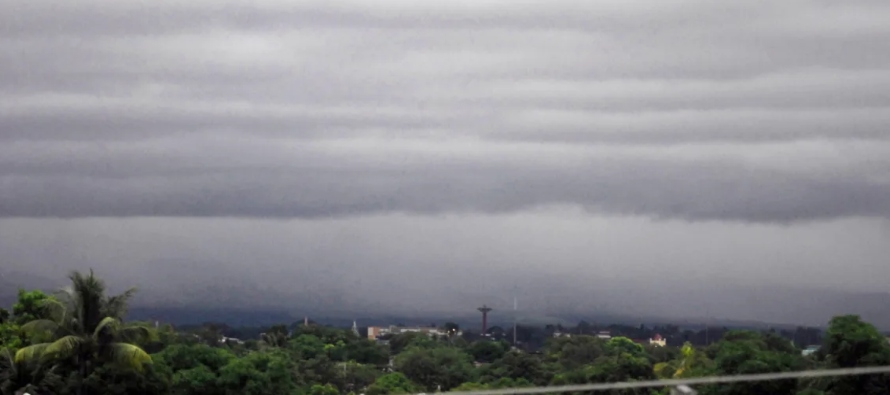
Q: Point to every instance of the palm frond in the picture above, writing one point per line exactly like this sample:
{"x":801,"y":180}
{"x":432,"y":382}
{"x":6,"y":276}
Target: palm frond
{"x":65,"y":347}
{"x":116,"y":306}
{"x":31,"y":353}
{"x":136,"y":333}
{"x":55,"y":307}
{"x":88,"y":292}
{"x":108,"y":325}
{"x":66,"y":311}
{"x":65,"y":295}
{"x":38,"y":326}
{"x":7,"y":359}
{"x":128,"y":355}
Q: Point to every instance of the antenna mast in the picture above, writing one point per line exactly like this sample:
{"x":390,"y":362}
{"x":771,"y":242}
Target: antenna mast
{"x":514,"y":319}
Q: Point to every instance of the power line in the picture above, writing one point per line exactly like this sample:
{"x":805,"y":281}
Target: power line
{"x":685,"y":382}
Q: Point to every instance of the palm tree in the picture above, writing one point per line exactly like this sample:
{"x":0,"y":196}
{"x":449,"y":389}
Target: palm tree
{"x":679,"y":368}
{"x":86,"y":329}
{"x":16,"y":378}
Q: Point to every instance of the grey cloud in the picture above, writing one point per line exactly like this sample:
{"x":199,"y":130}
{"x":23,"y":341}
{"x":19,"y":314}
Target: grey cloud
{"x":698,"y":39}
{"x":110,"y":121}
{"x":687,"y":126}
{"x":451,"y":151}
{"x":109,"y":17}
{"x":320,"y":181}
{"x":322,"y":109}
{"x":119,"y":18}
{"x":555,"y":260}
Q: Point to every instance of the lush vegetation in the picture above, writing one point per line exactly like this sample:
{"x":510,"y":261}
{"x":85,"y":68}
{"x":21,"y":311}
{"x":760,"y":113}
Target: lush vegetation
{"x":76,"y":342}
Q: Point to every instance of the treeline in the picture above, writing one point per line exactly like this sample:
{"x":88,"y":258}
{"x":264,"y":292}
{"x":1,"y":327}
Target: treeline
{"x":76,"y":342}
{"x":532,"y":338}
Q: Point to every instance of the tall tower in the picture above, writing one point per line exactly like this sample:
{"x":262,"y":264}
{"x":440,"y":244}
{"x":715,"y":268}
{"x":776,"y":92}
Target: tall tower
{"x":484,"y":310}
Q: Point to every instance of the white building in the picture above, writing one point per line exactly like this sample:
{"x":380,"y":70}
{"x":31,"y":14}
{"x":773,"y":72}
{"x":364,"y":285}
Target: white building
{"x":658,"y":341}
{"x":375,"y":332}
{"x":224,"y":339}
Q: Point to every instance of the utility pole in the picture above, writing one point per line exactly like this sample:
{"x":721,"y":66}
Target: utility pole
{"x":514,"y":319}
{"x":708,"y":326}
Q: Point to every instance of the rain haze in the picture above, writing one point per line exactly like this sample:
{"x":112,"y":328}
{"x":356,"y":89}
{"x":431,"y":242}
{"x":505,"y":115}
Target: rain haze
{"x":648,"y":158}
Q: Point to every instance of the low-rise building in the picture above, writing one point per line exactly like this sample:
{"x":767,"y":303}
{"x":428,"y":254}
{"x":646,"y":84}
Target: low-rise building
{"x":375,"y":332}
{"x":810,"y":350}
{"x":658,"y":341}
{"x":224,"y":339}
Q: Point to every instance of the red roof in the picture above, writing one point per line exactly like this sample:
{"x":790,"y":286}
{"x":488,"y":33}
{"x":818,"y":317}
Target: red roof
{"x":657,"y":336}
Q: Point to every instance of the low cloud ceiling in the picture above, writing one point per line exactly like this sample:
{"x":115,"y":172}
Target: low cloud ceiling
{"x":740,"y":117}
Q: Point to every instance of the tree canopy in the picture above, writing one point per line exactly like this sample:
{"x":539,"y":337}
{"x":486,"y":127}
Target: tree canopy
{"x":77,"y":341}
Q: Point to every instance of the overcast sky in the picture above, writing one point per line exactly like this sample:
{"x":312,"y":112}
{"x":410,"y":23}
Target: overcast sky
{"x":433,"y":155}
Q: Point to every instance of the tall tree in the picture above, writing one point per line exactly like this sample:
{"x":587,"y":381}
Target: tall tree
{"x":87,"y":329}
{"x":391,"y":383}
{"x":16,"y":378}
{"x":851,"y":342}
{"x":436,"y":368}
{"x":748,"y":352}
{"x":276,"y":336}
{"x":691,"y":363}
{"x":30,"y":306}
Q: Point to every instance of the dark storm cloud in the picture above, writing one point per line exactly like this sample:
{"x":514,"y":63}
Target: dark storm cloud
{"x":304,"y":180}
{"x":750,"y":111}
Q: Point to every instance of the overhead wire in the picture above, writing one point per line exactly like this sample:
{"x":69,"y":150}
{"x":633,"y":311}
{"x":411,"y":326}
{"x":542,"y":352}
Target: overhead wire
{"x":668,"y":383}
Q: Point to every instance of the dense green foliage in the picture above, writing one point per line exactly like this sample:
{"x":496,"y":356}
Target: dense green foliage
{"x":76,"y":342}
